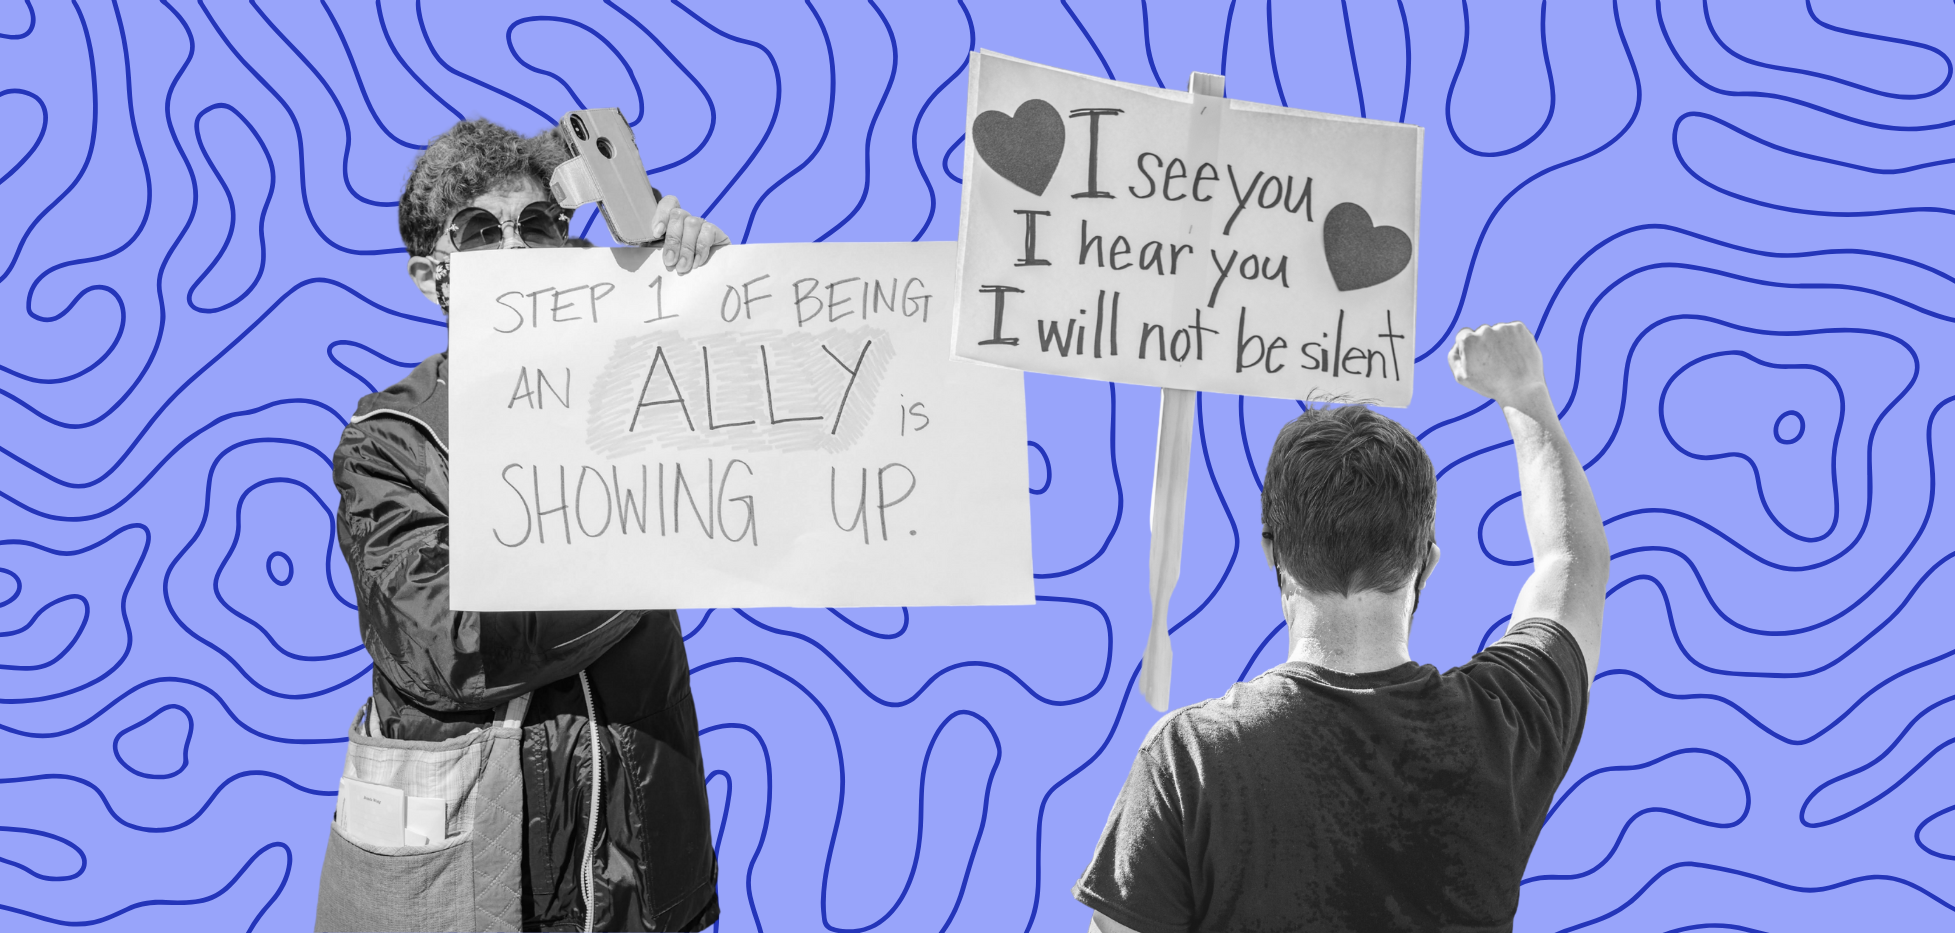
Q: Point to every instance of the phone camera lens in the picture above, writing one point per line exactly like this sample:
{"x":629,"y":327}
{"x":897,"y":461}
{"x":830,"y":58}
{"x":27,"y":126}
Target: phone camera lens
{"x":604,"y":147}
{"x":577,"y":126}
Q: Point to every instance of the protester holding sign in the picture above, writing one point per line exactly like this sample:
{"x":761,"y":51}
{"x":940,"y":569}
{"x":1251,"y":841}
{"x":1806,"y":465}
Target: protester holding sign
{"x":1351,"y":788}
{"x":530,"y":820}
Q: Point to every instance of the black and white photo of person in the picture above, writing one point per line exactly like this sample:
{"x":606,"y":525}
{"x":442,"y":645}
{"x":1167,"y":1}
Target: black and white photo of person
{"x":1351,"y":787}
{"x":579,"y":685}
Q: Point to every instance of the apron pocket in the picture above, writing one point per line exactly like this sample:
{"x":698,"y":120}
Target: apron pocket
{"x":376,"y":888}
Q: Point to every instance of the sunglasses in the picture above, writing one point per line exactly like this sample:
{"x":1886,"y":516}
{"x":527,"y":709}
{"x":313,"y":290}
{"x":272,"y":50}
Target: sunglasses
{"x":540,"y":225}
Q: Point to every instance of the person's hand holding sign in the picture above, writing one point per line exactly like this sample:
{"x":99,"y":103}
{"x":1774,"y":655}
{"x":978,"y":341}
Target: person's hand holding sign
{"x":688,"y":239}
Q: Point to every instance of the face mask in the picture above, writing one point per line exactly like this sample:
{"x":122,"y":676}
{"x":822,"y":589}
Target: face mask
{"x":441,"y":285}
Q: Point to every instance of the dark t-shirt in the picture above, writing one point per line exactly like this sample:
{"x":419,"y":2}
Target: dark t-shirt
{"x":1309,"y":799}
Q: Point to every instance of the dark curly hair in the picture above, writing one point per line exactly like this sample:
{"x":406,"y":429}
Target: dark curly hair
{"x":473,"y":157}
{"x":1349,"y":501}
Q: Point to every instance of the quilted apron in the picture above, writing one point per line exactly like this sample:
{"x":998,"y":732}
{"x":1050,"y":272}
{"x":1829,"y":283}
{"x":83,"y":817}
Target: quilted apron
{"x":470,"y":880}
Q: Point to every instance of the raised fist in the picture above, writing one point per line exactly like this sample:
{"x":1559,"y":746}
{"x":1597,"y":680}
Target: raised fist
{"x":1499,"y":361}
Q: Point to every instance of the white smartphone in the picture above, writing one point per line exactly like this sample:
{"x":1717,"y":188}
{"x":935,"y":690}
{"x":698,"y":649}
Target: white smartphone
{"x":606,"y":168}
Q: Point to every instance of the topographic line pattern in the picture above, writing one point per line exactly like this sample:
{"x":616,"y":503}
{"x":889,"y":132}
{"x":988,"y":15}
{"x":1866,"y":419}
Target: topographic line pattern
{"x":1723,"y":219}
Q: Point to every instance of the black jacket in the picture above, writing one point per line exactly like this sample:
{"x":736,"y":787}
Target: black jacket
{"x":439,"y":674}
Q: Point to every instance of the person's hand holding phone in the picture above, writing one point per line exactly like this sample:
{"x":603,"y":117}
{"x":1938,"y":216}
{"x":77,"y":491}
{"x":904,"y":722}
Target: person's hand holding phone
{"x":690,"y":240}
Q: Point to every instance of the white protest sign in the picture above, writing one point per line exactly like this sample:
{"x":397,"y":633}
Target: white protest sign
{"x":1119,"y":232}
{"x":781,"y":427}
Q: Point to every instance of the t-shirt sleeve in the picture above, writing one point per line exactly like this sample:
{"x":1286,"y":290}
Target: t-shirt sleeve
{"x":1539,"y":670}
{"x":1139,"y":874}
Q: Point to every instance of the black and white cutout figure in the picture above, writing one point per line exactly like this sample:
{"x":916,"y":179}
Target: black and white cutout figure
{"x":440,"y":676}
{"x":1350,"y":787}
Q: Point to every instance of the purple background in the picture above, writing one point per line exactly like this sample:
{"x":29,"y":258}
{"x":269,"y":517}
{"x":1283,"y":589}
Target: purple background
{"x":1713,"y":213}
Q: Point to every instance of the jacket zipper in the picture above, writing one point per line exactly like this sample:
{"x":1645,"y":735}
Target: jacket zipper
{"x":597,"y":797}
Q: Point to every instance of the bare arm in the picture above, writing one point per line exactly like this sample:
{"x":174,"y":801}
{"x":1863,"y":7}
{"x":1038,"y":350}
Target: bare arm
{"x":1564,"y":529}
{"x":1102,"y":923}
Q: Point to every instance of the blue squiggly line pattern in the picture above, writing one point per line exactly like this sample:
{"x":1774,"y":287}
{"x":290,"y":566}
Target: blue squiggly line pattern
{"x":1723,"y":213}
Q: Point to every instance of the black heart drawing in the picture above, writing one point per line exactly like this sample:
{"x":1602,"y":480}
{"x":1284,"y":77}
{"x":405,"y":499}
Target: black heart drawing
{"x":1359,"y":254}
{"x":1023,"y":147}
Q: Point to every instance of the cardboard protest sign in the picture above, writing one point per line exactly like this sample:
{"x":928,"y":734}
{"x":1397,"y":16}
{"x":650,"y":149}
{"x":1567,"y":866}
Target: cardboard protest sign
{"x":1119,"y":232}
{"x":782,"y":427}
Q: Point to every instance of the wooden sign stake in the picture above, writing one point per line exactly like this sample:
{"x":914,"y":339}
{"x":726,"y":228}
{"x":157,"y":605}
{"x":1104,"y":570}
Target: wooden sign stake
{"x":1172,"y":450}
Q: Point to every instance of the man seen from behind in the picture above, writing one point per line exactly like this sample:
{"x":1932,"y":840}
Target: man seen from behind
{"x":1351,"y":788}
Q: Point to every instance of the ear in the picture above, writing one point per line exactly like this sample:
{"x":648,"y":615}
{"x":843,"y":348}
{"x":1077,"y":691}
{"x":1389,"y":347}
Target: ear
{"x":1432,"y":563}
{"x":421,"y":270}
{"x":1269,"y":551}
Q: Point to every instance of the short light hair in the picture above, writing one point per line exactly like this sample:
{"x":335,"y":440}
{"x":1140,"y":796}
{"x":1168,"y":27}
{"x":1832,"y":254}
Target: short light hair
{"x":472,"y":158}
{"x":1349,"y":500}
